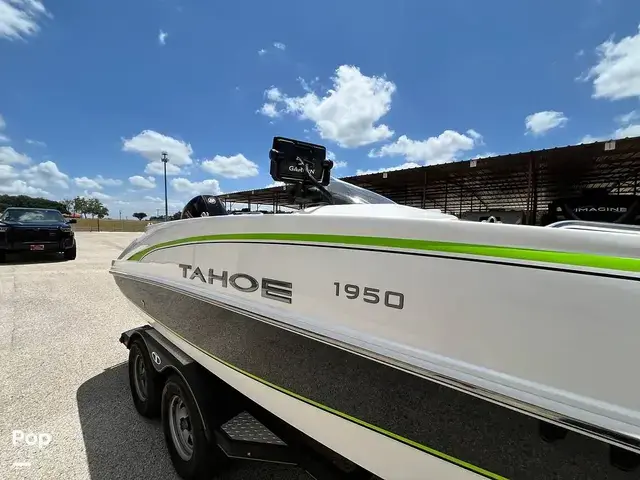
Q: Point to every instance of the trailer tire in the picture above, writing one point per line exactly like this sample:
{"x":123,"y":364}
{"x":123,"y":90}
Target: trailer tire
{"x":193,"y":455}
{"x":145,"y":383}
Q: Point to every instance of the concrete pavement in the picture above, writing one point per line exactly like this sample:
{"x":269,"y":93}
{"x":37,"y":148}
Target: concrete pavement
{"x":64,"y":375}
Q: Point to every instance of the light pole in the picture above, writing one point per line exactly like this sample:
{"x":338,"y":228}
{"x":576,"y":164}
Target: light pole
{"x":165,"y":159}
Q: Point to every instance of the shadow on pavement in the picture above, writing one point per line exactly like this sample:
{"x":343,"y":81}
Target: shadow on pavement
{"x":121,"y":444}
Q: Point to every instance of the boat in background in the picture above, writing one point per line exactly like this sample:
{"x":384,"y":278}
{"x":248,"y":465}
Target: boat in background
{"x":404,"y":339}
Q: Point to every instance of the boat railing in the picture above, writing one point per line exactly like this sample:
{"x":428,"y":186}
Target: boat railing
{"x":596,"y":226}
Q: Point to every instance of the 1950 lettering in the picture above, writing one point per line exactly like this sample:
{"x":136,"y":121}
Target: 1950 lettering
{"x":370,"y":295}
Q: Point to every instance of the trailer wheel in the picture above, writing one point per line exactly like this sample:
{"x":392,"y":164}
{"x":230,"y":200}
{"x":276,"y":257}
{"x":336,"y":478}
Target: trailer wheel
{"x":144,"y":381}
{"x":193,"y":456}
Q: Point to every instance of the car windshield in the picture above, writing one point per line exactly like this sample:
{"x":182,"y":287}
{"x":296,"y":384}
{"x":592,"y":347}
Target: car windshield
{"x":344,"y":192}
{"x":28,"y":215}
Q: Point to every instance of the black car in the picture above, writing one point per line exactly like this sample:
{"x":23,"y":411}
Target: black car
{"x":36,"y":230}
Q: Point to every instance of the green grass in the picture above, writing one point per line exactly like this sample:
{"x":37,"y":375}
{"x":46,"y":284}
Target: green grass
{"x":109,"y":225}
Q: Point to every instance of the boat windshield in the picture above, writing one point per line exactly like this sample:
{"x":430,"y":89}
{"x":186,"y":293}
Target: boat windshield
{"x":346,"y":193}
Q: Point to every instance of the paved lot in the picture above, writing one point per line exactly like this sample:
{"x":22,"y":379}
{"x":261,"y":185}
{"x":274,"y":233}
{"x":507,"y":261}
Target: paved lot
{"x":64,"y":374}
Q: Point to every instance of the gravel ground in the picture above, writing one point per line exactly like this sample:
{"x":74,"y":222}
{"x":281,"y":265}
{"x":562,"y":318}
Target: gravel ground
{"x":64,"y":375}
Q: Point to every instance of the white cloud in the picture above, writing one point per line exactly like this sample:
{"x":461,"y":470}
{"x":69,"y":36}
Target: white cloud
{"x":274,"y":94}
{"x":336,"y":163}
{"x":98,"y":195}
{"x":339,"y":164}
{"x":7,"y":172}
{"x":479,"y":139}
{"x":235,"y":166}
{"x":617,"y":73}
{"x":96,"y":183}
{"x":108,"y":182}
{"x":8,"y":156}
{"x":142,"y":182}
{"x":627,"y":118}
{"x":151,"y":144}
{"x":154,"y":199}
{"x":34,"y":180}
{"x":348,"y":113}
{"x":206,"y":187}
{"x":3,"y":138}
{"x":20,"y":187}
{"x":590,"y":139}
{"x":84,"y":182}
{"x":276,"y":45}
{"x":162,"y":37}
{"x":404,"y":166}
{"x":444,"y":148}
{"x":269,"y":110}
{"x":627,"y":131}
{"x":44,"y":175}
{"x":36,"y":143}
{"x":541,"y":122}
{"x":156,"y":168}
{"x":485,"y":155}
{"x":19,"y":18}
{"x":275,"y":184}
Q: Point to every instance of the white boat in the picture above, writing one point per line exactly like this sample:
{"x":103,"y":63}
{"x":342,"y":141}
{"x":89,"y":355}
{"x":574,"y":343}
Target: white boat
{"x":364,"y":323}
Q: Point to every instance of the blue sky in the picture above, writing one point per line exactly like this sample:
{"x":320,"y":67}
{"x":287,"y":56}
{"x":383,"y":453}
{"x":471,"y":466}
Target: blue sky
{"x":92,"y":91}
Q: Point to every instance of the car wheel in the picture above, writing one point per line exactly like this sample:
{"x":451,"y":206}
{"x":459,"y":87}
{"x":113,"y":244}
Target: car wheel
{"x":70,"y":254}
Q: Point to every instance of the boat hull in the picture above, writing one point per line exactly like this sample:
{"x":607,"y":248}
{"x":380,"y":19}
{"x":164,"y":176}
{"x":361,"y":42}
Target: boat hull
{"x":285,"y":314}
{"x":377,"y":451}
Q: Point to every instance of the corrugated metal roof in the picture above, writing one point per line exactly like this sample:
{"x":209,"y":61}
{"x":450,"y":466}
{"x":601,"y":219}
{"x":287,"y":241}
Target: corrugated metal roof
{"x":523,"y":180}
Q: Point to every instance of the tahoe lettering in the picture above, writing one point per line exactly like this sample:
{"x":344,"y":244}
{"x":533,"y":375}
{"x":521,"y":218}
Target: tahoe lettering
{"x":269,"y":288}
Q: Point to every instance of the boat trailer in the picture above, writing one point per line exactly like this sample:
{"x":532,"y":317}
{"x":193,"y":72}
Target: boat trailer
{"x":227,"y":425}
{"x":224,"y":424}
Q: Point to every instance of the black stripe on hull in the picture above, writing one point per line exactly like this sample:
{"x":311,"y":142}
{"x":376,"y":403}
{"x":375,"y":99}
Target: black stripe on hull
{"x":468,"y":428}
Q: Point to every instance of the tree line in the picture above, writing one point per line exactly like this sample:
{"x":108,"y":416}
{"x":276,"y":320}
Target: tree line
{"x":86,"y":206}
{"x":154,"y":218}
{"x":80,"y":205}
{"x":30,"y":202}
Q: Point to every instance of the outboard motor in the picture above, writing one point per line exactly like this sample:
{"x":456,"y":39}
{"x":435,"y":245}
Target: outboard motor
{"x":203,"y":206}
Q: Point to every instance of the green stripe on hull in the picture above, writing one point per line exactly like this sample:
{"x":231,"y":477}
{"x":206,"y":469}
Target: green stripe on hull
{"x":513,"y":253}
